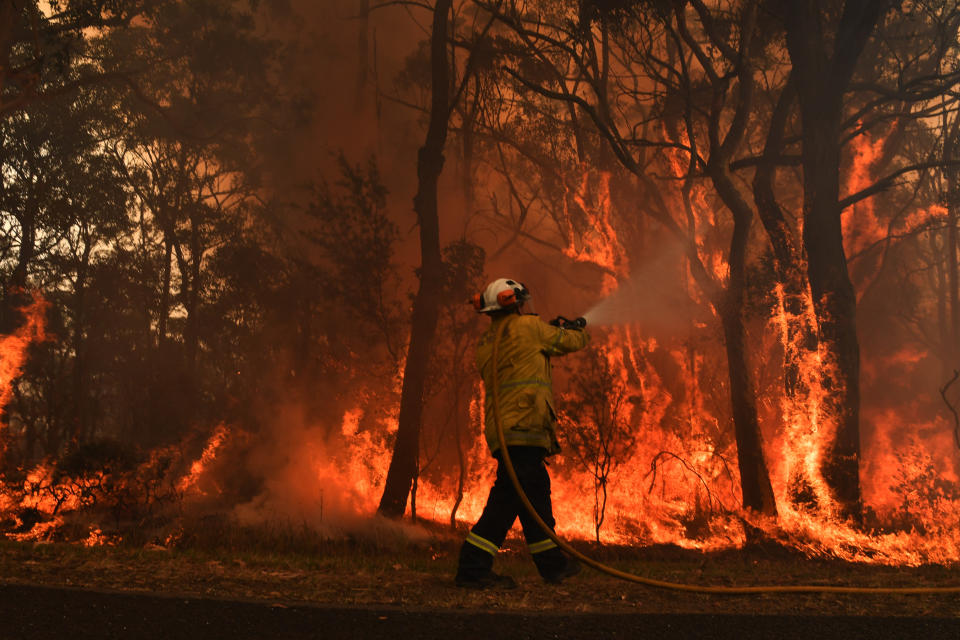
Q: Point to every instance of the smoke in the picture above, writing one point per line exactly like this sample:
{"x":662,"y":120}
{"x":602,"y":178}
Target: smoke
{"x":653,"y":296}
{"x":318,"y":478}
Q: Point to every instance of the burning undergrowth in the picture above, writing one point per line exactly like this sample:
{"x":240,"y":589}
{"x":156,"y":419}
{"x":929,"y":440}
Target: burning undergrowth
{"x":286,"y":473}
{"x":105,"y":493}
{"x":648,"y":458}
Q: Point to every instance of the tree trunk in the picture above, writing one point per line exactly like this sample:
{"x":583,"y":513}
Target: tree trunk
{"x":835,"y":304}
{"x":461,"y":473}
{"x":426,"y":305}
{"x":16,"y":296}
{"x":467,"y":141}
{"x":27,"y":248}
{"x":757,"y":491}
{"x":9,"y":21}
{"x":823,"y":66}
{"x":801,"y":334}
{"x":951,"y":301}
{"x":80,"y":399}
{"x":165,"y":293}
{"x":938,"y":243}
{"x":192,"y":337}
{"x":754,"y":476}
{"x":953,"y":334}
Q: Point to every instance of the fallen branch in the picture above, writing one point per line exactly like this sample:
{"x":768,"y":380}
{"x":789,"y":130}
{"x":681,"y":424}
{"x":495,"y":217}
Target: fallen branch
{"x":711,"y":498}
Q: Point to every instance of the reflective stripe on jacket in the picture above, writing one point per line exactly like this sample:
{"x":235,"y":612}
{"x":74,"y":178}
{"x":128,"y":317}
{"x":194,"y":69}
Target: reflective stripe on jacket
{"x":526,"y":393}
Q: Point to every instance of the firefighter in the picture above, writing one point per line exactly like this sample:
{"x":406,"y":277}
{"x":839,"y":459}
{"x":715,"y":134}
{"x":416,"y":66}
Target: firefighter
{"x":529,"y":425}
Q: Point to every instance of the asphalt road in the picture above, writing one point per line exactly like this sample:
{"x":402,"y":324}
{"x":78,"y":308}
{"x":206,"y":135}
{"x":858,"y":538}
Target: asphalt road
{"x":34,"y":613}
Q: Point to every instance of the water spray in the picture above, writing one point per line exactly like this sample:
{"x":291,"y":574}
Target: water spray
{"x":660,"y":306}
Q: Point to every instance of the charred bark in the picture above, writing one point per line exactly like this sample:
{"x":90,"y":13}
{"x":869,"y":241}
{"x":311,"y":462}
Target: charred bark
{"x":192,"y":297}
{"x":82,"y":427}
{"x":426,"y":305}
{"x":952,"y":279}
{"x":165,"y":293}
{"x":28,"y":233}
{"x":953,"y":286}
{"x":822,"y":73}
{"x":801,"y":335}
{"x":16,"y":294}
{"x":754,"y":475}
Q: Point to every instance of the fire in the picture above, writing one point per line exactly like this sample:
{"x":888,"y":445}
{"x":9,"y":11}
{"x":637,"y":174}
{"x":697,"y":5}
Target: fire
{"x":13,"y":349}
{"x":42,"y":505}
{"x":594,"y":239}
{"x":676,"y":482}
{"x":191,"y":480}
{"x":807,"y":427}
{"x":97,"y":538}
{"x":866,"y":234}
{"x":861,"y":226}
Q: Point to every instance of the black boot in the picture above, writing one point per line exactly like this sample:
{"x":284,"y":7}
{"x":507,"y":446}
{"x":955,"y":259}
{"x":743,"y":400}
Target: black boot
{"x":571,"y":568}
{"x":489,"y":580}
{"x":474,"y":570}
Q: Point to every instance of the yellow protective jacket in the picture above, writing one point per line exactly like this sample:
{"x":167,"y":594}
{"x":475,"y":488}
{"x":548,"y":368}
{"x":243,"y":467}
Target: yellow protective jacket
{"x":526,"y":393}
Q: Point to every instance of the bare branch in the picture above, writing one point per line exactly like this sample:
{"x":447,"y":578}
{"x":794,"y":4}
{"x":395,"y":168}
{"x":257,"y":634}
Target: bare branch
{"x":889,"y":181}
{"x":953,"y":410}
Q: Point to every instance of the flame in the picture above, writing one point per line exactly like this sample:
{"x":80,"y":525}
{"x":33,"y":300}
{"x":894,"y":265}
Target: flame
{"x":861,"y":226}
{"x":48,"y":497}
{"x":594,"y":239}
{"x":13,"y":350}
{"x":808,"y":429}
{"x":677,"y":483}
{"x":190,"y":482}
{"x":97,"y":538}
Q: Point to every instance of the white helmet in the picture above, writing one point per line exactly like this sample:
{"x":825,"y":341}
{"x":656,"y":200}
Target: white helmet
{"x":501,"y":294}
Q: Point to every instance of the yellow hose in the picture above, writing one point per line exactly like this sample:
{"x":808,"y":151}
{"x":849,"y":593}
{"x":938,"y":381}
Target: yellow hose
{"x":662,"y":584}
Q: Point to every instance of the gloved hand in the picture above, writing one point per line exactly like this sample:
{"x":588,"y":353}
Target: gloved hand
{"x":564,"y":323}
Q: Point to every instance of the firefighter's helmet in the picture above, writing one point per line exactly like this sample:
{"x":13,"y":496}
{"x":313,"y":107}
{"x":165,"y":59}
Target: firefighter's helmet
{"x":500,"y":295}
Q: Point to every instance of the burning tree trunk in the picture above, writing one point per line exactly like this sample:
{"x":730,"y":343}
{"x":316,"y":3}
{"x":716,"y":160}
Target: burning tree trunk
{"x":730,"y":303}
{"x":799,"y":335}
{"x":821,"y":81}
{"x":426,"y":305}
{"x":953,"y":333}
{"x":754,"y":476}
{"x":15,"y":295}
{"x":951,"y":323}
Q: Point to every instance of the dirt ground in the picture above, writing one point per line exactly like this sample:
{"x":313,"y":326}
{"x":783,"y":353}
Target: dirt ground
{"x":339,"y":587}
{"x":48,"y":612}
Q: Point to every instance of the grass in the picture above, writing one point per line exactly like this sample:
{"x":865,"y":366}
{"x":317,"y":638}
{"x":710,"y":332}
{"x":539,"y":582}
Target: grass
{"x":290,"y":563}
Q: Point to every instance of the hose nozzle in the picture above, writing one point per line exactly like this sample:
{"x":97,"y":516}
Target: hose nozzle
{"x":565,"y":323}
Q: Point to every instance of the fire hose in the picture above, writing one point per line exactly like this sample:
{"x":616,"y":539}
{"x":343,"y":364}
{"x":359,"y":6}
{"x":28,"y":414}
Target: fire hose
{"x":652,"y":582}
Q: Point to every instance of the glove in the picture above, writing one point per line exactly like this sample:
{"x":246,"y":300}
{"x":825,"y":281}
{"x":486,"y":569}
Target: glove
{"x":564,"y":323}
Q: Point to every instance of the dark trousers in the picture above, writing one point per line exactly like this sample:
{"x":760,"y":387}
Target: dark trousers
{"x":502,"y":509}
